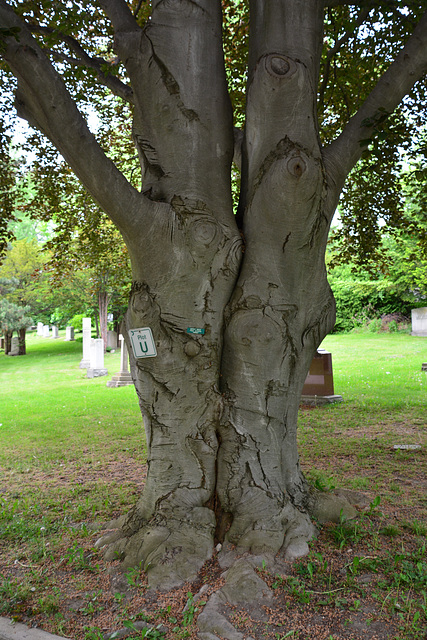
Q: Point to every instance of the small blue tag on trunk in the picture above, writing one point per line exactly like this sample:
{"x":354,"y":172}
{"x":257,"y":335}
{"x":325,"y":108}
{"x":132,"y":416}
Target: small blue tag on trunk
{"x":195,"y":330}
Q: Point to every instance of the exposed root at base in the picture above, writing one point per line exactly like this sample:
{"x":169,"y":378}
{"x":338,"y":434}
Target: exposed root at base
{"x":172,"y":555}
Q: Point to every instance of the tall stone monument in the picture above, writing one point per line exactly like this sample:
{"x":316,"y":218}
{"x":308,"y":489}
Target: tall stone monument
{"x":96,"y":367}
{"x":55,"y":332}
{"x":123,"y":378}
{"x":87,"y":330}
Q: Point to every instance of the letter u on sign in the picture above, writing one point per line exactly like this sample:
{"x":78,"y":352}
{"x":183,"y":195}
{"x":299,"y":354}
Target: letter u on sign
{"x":142,"y":341}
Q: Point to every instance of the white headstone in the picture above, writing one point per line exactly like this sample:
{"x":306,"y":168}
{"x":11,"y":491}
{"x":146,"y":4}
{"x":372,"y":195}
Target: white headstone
{"x":46,"y":331}
{"x":69,"y":334}
{"x":419,"y":321}
{"x":87,"y":330}
{"x":96,"y":367}
{"x":40,"y":329}
{"x":55,"y":333}
{"x":112,"y":339}
{"x":14,"y":346}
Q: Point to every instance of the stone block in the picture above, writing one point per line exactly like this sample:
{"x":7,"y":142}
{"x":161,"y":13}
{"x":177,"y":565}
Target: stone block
{"x":69,"y":334}
{"x":14,"y":346}
{"x":112,"y":339}
{"x":419,"y":322}
{"x":96,"y":367}
{"x":320,"y":381}
{"x":87,"y":330}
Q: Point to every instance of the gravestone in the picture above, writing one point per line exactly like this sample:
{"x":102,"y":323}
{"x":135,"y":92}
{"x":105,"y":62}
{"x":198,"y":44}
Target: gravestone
{"x":112,"y":339}
{"x":96,"y":366}
{"x":87,"y":330}
{"x":69,"y":334}
{"x":46,"y":331}
{"x":40,"y":329}
{"x":419,"y":322}
{"x":55,"y":332}
{"x":14,"y":346}
{"x":319,"y":384}
{"x":123,"y":378}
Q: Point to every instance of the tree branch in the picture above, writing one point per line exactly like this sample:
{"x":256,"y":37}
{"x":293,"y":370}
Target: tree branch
{"x":110,"y":81}
{"x":409,"y":66}
{"x":120,"y":15}
{"x":43,"y":100}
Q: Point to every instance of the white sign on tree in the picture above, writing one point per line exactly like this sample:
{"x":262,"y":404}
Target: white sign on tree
{"x":142,"y":342}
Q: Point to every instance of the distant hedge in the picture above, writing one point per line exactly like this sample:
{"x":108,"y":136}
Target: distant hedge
{"x":359,"y":301}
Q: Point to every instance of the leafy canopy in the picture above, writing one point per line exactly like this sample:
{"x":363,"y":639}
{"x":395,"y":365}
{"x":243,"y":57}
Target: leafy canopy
{"x":360,"y":41}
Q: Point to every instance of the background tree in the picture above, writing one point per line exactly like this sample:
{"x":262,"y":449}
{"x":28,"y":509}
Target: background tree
{"x":14,"y":318}
{"x":220,"y":405}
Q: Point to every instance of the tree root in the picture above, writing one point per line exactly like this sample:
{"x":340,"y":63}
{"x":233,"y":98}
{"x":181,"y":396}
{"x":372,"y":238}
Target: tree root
{"x":242,"y":586}
{"x":173,"y":553}
{"x":170,"y":555}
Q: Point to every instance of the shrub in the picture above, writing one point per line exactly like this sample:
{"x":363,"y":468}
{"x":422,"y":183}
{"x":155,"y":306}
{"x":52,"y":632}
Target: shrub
{"x":77,"y":321}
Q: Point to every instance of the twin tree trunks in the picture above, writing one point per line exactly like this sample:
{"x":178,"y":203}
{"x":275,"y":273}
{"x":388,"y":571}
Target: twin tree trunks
{"x":219,"y":407}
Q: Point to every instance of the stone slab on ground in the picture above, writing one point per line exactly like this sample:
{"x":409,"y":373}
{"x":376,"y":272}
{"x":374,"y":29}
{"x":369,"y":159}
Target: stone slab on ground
{"x":10,"y":630}
{"x":320,"y":400}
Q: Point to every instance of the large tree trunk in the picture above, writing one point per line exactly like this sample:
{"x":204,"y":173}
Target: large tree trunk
{"x":221,"y":418}
{"x":7,"y":342}
{"x":282,"y":306}
{"x":103,"y":300}
{"x":21,"y":341}
{"x":192,"y":251}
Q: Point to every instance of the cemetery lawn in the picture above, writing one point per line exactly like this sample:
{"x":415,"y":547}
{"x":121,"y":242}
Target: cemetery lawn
{"x":72,"y":458}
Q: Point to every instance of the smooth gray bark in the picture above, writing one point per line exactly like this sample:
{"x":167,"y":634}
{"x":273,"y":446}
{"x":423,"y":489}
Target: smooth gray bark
{"x":219,"y":407}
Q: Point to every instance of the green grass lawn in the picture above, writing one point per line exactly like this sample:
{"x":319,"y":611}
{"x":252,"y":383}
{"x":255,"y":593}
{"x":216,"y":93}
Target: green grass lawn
{"x":50,"y":409}
{"x":382,"y":370}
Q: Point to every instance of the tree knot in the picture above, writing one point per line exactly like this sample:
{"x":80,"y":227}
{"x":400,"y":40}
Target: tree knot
{"x":280,"y":66}
{"x":296,"y":166}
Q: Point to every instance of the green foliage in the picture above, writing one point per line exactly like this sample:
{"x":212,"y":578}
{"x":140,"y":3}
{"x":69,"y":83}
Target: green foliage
{"x":360,"y":300}
{"x":358,"y":45}
{"x":77,"y":321}
{"x":13,"y":317}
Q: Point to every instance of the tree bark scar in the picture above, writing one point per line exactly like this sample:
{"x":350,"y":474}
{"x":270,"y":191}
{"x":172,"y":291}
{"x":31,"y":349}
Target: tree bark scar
{"x":286,"y":241}
{"x":172,"y":87}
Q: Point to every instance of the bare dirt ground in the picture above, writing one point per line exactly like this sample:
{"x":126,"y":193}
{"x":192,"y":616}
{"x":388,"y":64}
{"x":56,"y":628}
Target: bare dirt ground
{"x":364,"y":580}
